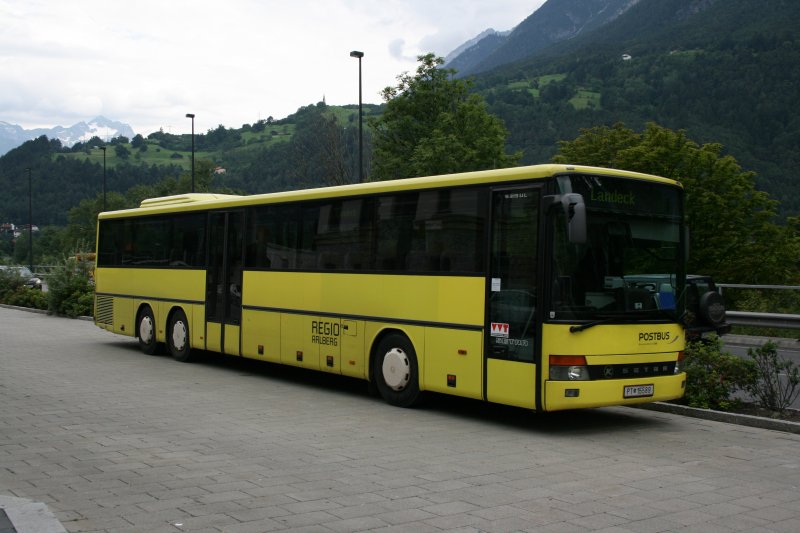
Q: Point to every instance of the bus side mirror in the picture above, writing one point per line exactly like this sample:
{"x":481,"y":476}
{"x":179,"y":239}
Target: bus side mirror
{"x":575,"y":212}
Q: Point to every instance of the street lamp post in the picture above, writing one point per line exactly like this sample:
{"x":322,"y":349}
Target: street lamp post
{"x":191,"y":116}
{"x":30,"y":220}
{"x":359,"y":55}
{"x":103,"y":148}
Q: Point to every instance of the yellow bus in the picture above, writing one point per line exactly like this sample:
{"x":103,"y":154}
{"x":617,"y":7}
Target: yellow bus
{"x":527,"y":286}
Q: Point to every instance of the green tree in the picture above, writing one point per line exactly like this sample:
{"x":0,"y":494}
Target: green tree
{"x":47,"y":246}
{"x":122,"y":152}
{"x":82,"y":221}
{"x":320,"y":152}
{"x":734,"y":235}
{"x":432,"y":124}
{"x":138,"y":142}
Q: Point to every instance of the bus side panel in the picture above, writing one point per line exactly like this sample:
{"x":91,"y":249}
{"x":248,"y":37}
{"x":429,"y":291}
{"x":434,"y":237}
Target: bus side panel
{"x":261,"y":335}
{"x":163,"y":284}
{"x":353,"y":355}
{"x":197,"y":319}
{"x":162,"y":316}
{"x":326,"y":334}
{"x":454,"y":362}
{"x":369,"y":303}
{"x":438,"y":299}
{"x":124,"y":318}
{"x":161,"y":289}
{"x":511,"y":383}
{"x":292,"y":345}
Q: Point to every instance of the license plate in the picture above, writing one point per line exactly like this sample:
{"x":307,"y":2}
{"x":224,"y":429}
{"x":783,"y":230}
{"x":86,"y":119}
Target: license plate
{"x":638,"y":391}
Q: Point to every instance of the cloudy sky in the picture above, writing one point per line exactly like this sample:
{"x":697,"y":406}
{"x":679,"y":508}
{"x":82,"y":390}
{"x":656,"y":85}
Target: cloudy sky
{"x":231,"y":62}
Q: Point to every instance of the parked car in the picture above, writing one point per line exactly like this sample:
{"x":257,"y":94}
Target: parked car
{"x":31,"y":280}
{"x":37,"y":282}
{"x":22,"y":271}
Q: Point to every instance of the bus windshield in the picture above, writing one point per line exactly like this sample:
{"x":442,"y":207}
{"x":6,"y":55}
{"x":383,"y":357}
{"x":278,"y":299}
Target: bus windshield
{"x":630,"y":265}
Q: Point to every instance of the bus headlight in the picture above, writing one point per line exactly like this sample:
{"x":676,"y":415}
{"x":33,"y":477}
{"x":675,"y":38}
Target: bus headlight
{"x":568,"y":368}
{"x":577,"y":373}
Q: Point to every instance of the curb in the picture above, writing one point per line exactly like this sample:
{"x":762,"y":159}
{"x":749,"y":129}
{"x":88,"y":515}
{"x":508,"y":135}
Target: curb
{"x":42,"y":312}
{"x":29,"y":516}
{"x":722,"y":416}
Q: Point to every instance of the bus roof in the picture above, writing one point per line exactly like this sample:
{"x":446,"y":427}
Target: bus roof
{"x":204,"y":201}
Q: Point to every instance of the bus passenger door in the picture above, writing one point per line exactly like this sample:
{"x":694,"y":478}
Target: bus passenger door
{"x":224,"y":282}
{"x":511,"y":342}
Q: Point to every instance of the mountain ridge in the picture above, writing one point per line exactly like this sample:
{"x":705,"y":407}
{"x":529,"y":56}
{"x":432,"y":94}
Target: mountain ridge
{"x":555,"y":21}
{"x":13,"y":135}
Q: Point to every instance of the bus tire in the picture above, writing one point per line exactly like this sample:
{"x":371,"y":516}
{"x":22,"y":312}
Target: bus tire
{"x":178,"y":339}
{"x":146,"y":331}
{"x":395,"y":370}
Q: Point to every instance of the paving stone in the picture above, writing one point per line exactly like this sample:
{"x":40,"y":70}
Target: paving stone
{"x":107,"y":439}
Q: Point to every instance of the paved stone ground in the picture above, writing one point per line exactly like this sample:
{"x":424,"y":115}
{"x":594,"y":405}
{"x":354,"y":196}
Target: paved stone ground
{"x":113,"y":440}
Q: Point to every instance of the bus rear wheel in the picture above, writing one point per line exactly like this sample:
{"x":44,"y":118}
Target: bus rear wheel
{"x":178,"y":338}
{"x":146,"y":331}
{"x":395,"y":371}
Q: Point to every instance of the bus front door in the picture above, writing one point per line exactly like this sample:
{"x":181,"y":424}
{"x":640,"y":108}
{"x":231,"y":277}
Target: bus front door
{"x":224,"y":282}
{"x":511,"y":341}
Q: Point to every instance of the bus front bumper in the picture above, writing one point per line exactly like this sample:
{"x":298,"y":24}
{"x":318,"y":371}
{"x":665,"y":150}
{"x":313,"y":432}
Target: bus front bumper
{"x":561,"y":395}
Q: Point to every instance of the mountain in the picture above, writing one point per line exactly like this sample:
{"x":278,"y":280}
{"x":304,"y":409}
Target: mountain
{"x":555,"y":21}
{"x":12,"y":135}
{"x":467,"y":56}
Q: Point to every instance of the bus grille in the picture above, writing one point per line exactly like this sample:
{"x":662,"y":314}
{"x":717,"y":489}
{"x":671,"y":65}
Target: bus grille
{"x":104,"y":310}
{"x":639,"y":370}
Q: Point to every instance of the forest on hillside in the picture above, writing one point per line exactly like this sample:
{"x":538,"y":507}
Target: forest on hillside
{"x":315,"y":146}
{"x":737,"y":88}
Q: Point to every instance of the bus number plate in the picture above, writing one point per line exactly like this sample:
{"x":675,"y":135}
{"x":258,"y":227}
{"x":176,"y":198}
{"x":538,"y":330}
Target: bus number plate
{"x":638,"y":391}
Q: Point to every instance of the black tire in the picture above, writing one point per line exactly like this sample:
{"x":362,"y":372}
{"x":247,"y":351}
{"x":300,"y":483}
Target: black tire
{"x":178,"y":338}
{"x":395,"y":371}
{"x":146,"y":331}
{"x":712,"y":308}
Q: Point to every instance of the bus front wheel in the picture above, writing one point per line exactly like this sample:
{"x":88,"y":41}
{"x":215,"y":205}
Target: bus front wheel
{"x":178,"y":338}
{"x":146,"y":330}
{"x":395,"y":371}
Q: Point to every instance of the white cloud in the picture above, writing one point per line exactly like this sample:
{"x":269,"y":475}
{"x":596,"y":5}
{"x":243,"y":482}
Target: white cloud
{"x":150,"y":62}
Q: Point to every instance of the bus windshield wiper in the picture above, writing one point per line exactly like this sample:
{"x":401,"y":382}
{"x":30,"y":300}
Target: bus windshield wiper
{"x":580,"y":327}
{"x":624,"y":318}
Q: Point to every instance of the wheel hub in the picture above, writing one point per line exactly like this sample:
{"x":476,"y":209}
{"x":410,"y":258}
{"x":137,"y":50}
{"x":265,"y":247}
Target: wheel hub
{"x":146,"y":330}
{"x":179,"y":335}
{"x":396,"y":369}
